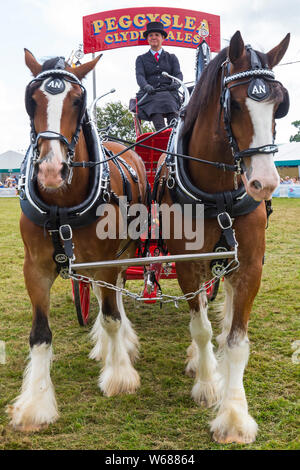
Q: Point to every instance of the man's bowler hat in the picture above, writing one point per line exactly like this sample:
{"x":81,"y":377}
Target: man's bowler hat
{"x":155,"y":27}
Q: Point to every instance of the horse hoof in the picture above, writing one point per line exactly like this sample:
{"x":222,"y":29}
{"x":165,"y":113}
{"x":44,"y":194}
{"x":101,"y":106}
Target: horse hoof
{"x":22,"y":427}
{"x":234,"y":425}
{"x":28,"y":428}
{"x":114,"y":383}
{"x":190,"y":372}
{"x":30,"y":418}
{"x":232,"y":438}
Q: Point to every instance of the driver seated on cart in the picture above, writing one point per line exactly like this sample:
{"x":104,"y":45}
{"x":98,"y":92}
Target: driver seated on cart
{"x":162,"y":99}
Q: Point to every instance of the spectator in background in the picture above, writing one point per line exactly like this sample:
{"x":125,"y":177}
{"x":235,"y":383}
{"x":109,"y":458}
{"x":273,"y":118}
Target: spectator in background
{"x":286,"y":180}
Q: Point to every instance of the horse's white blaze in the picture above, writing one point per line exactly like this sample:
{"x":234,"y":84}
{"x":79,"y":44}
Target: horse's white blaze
{"x":54,"y":114}
{"x":36,"y":404}
{"x":50,"y":169}
{"x":263,"y":169}
{"x":206,"y":388}
{"x":261,"y":114}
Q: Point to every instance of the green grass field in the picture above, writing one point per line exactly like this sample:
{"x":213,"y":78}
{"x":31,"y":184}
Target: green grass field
{"x":161,"y":415}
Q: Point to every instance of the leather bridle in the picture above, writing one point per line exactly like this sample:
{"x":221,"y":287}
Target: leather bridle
{"x":62,"y":75}
{"x":251,"y":76}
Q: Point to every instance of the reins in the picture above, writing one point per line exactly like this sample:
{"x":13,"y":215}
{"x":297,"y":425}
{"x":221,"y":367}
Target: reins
{"x":222,"y":166}
{"x":219,"y":165}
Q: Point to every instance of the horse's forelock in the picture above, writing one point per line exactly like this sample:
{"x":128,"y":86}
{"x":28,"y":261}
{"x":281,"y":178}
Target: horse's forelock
{"x":50,"y":64}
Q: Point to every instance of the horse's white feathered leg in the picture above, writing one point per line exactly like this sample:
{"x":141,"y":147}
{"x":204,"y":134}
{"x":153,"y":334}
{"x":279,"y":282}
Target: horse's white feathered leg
{"x":233,"y":422}
{"x":129,"y":335}
{"x":116,"y":344}
{"x":36,"y":405}
{"x":99,"y":335}
{"x":206,"y":389}
{"x":118,"y":375}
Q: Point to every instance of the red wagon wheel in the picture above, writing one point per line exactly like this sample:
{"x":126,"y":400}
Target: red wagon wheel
{"x":81,"y":298}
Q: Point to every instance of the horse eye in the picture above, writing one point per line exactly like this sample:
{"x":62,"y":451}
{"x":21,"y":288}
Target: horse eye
{"x":77,"y":102}
{"x":235,"y":105}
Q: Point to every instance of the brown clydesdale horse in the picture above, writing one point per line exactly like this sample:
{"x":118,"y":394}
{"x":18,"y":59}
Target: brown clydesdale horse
{"x":231,"y":111}
{"x":55,"y":102}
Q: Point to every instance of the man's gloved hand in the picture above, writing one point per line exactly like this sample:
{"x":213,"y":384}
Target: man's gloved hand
{"x":149,"y":89}
{"x":173,"y":87}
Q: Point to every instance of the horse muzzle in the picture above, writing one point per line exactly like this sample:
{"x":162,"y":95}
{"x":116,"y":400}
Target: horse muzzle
{"x":51,"y":174}
{"x":261,"y":186}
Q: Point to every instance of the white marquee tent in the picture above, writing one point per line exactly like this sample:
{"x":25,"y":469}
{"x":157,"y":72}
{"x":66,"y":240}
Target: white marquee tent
{"x":10,"y":162}
{"x":288,"y":155}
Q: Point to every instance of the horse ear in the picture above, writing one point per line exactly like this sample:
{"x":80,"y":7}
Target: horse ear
{"x":32,"y":63}
{"x":275,"y":55}
{"x":82,"y":70}
{"x":236,"y":47}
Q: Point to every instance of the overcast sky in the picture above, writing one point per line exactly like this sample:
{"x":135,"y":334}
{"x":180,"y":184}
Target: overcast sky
{"x":54,"y":27}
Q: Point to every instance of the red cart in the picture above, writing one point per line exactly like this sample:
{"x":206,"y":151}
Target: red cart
{"x":204,"y":36}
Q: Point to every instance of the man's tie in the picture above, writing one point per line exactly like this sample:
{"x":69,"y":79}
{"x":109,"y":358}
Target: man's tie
{"x":156,"y":55}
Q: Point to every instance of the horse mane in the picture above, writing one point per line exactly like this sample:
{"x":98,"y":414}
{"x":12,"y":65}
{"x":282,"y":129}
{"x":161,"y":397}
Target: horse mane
{"x":204,"y":90}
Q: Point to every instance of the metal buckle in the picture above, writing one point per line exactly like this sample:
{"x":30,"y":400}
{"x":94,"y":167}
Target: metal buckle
{"x":21,"y":187}
{"x":106,"y":197}
{"x":70,"y":176}
{"x":228,"y":218}
{"x":238,"y":162}
{"x":170,"y":182}
{"x":272,"y":148}
{"x":104,"y":183}
{"x":104,"y":187}
{"x":64,"y":273}
{"x":21,"y":182}
{"x":61,"y":228}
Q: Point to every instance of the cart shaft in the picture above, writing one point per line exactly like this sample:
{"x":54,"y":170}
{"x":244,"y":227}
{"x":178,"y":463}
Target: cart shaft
{"x":153,"y":259}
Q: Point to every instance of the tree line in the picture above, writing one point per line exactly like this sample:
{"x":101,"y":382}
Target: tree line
{"x":296,"y":137}
{"x":120,"y":121}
